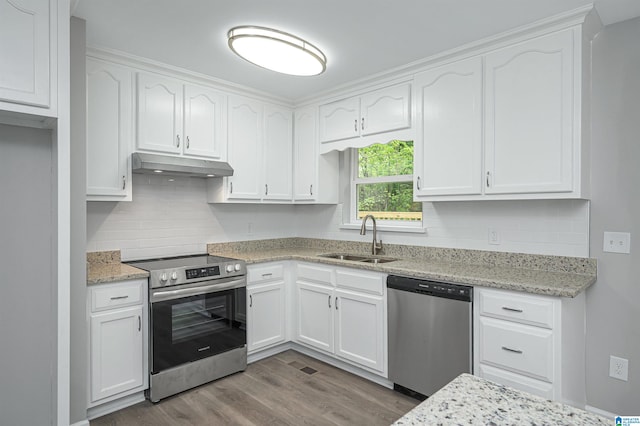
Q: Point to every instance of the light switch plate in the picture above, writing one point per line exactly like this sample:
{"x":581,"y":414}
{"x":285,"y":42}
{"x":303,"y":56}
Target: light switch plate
{"x":494,"y":236}
{"x":617,"y":242}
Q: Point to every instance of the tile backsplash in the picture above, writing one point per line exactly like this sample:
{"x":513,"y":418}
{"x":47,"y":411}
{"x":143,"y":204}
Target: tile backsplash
{"x":170,"y":216}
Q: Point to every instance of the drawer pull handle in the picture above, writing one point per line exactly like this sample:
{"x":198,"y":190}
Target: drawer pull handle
{"x":206,"y":348}
{"x":506,"y":308}
{"x":516,"y":351}
{"x":267,"y":275}
{"x":329,"y":301}
{"x":139,"y":323}
{"x":336,"y":303}
{"x":119,"y":297}
{"x":250,"y":301}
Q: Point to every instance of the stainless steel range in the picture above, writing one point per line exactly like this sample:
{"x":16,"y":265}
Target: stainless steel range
{"x":197,"y":320}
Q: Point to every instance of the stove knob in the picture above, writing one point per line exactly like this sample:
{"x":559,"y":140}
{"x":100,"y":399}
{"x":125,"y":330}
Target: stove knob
{"x":238,"y":267}
{"x":163,"y":277}
{"x":174,"y":276}
{"x":229,"y":268}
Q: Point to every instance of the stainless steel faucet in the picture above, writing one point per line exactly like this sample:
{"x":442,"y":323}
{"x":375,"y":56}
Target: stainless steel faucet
{"x":375,"y":246}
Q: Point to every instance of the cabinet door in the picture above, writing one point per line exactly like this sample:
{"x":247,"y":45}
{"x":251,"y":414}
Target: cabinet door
{"x":116,"y":352}
{"x":109,"y":131}
{"x":278,"y":153}
{"x":266,"y":318}
{"x":315,"y":316}
{"x":340,"y":120}
{"x":159,"y":114}
{"x":204,"y":121}
{"x":359,"y":329}
{"x":305,"y":164}
{"x":529,"y":116}
{"x":245,"y":149}
{"x":24,"y":52}
{"x":448,"y":152}
{"x":386,"y":109}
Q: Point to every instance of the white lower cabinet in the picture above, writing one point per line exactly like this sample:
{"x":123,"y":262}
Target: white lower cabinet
{"x":530,"y":342}
{"x":335,"y":318}
{"x":266,"y":306}
{"x":118,"y":359}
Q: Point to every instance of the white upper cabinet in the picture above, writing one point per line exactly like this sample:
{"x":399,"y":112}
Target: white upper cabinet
{"x":507,"y":124}
{"x":278,"y":153}
{"x":159,"y":114}
{"x":179,"y":118}
{"x":25,"y":45}
{"x":245,"y":149}
{"x":339,"y":120}
{"x":449,"y":158}
{"x":385,"y":110}
{"x":376,"y":112}
{"x":109,"y":131}
{"x":260,"y":150}
{"x":529,"y":116}
{"x":204,"y":122}
{"x":315,"y":176}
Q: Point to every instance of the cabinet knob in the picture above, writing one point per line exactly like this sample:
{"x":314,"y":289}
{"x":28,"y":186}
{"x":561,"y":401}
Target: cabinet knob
{"x":177,"y":141}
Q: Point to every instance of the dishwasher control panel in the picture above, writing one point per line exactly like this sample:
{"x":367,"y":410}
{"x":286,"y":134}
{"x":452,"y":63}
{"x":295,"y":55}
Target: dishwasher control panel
{"x":432,"y":288}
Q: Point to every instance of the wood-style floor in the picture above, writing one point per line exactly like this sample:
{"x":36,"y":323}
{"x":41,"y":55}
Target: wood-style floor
{"x":274,"y":391}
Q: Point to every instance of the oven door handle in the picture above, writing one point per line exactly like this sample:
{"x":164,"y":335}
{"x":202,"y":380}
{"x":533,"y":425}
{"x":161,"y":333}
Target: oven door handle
{"x":159,"y":296}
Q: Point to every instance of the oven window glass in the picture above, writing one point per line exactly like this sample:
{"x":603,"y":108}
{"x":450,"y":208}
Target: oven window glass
{"x":195,"y":327}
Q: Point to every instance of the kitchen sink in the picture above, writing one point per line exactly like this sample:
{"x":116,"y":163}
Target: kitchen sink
{"x":358,"y":258}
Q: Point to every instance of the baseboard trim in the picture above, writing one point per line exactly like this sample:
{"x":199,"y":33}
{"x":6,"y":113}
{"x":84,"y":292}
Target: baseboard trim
{"x":115,"y":405}
{"x":81,"y":423}
{"x":266,"y":353}
{"x":600,"y":412}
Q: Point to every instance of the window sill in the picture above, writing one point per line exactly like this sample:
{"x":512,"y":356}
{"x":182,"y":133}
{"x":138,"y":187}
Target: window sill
{"x":387,"y":228}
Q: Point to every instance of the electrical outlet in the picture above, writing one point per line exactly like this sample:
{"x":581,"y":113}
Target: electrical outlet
{"x":617,"y":242}
{"x":619,"y":368}
{"x":494,"y":236}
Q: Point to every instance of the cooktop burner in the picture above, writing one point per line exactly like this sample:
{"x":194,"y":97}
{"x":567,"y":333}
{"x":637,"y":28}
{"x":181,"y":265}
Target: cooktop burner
{"x":169,"y":271}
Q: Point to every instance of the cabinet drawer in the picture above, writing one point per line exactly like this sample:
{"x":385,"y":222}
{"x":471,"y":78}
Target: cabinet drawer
{"x":116,"y":295}
{"x":264,"y":273}
{"x":360,"y":281}
{"x":524,"y":309}
{"x":520,"y":348}
{"x":316,"y":273}
{"x":517,"y":381}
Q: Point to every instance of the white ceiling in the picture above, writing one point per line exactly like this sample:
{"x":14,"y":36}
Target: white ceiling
{"x":359,"y":37}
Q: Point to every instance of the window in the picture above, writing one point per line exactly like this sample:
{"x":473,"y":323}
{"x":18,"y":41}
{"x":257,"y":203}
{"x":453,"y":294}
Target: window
{"x":382,"y":184}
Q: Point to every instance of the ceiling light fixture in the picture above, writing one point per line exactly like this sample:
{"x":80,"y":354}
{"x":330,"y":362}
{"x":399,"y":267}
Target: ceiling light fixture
{"x":276,"y":50}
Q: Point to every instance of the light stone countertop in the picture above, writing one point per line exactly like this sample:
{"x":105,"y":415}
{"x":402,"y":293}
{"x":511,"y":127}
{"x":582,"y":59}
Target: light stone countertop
{"x":550,"y":283}
{"x":471,"y":400}
{"x":546,"y":275}
{"x":106,"y":267}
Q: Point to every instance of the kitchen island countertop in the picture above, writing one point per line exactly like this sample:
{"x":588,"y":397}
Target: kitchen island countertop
{"x":471,"y":400}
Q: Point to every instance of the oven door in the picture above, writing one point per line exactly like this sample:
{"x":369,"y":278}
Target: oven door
{"x":196,"y":321}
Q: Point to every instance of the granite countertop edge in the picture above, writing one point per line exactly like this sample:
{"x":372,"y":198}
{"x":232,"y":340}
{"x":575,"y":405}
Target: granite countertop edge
{"x":113,"y":272}
{"x":469,"y":399}
{"x":500,"y":277}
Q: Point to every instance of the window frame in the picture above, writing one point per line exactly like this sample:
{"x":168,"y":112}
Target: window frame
{"x":355,"y":180}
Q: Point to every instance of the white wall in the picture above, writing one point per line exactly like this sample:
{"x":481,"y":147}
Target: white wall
{"x":613,"y":303}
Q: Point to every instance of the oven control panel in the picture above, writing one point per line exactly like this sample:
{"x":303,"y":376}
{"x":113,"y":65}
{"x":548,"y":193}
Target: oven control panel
{"x":210,"y":271}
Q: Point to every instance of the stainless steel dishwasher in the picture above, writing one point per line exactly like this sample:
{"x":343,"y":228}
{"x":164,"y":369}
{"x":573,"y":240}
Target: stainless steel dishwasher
{"x":430,"y":333}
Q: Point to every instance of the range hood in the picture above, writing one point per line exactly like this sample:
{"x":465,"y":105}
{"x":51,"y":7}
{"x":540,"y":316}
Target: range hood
{"x":157,"y":163}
